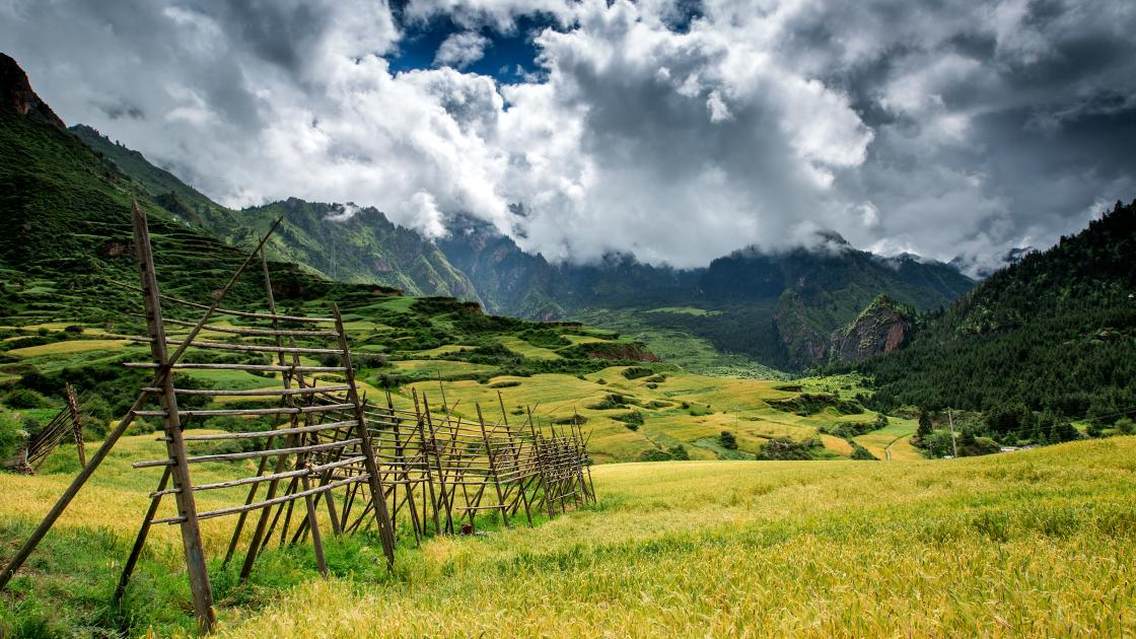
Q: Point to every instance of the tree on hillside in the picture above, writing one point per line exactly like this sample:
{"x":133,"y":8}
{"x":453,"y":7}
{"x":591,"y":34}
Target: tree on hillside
{"x":925,"y":428}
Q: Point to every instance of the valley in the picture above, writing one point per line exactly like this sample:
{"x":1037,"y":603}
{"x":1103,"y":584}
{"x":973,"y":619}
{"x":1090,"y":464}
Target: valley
{"x":812,"y":440}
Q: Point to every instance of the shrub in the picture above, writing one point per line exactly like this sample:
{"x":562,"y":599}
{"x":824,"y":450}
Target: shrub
{"x":508,"y":383}
{"x":848,"y":430}
{"x":655,"y":454}
{"x":781,"y":448}
{"x":1125,"y":425}
{"x":678,"y":452}
{"x":632,"y":420}
{"x":881,"y":421}
{"x":26,"y":398}
{"x":728,"y":440}
{"x":698,"y":411}
{"x":368,"y":360}
{"x":12,"y":434}
{"x":635,"y":372}
{"x":861,"y":453}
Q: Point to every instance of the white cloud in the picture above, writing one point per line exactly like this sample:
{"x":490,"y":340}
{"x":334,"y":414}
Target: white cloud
{"x":946,"y":128}
{"x":462,"y":49}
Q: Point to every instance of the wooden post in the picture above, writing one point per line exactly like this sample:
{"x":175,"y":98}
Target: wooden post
{"x":378,"y":495}
{"x":446,"y":502}
{"x":542,"y":466}
{"x":492,"y":466}
{"x":175,"y":445}
{"x":515,"y":445}
{"x":428,"y":488}
{"x":76,"y":423}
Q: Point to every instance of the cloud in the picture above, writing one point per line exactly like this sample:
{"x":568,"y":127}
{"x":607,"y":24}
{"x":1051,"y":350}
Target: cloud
{"x":946,"y":127}
{"x":460,"y":50}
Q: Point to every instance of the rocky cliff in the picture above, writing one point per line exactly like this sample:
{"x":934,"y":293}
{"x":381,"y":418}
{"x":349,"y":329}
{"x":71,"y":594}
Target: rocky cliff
{"x":881,"y":328}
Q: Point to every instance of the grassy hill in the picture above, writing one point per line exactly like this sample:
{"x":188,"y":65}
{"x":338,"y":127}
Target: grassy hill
{"x":364,"y":247}
{"x":1037,"y":543}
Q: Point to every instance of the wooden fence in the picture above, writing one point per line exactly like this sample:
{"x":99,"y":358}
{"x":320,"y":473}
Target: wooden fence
{"x":327,"y":459}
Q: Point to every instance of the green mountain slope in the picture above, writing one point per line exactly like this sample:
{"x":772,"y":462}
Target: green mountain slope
{"x":364,"y":248}
{"x":780,"y":309}
{"x":1055,"y":332}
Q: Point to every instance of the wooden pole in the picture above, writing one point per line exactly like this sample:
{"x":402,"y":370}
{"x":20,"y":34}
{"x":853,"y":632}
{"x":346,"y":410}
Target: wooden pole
{"x":514,"y":443}
{"x":446,"y":502}
{"x":175,"y":446}
{"x":492,"y":466}
{"x":76,"y":423}
{"x":140,"y":540}
{"x":378,"y":495}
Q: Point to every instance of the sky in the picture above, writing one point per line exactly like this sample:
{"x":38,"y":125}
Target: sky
{"x":674,"y":130}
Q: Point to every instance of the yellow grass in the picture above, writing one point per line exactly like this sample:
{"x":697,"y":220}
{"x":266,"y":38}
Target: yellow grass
{"x":1034,"y":544}
{"x":714,"y":404}
{"x":69,"y":346}
{"x":523,"y":348}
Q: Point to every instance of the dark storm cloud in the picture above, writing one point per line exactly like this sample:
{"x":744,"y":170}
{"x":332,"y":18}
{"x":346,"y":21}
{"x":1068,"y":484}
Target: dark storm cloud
{"x":941,"y":127}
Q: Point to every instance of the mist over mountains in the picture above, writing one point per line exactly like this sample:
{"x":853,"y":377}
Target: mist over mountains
{"x":778,"y":307}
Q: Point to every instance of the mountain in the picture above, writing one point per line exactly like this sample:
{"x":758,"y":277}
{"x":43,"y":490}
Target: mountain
{"x":339,"y":241}
{"x":780,"y":308}
{"x":1055,"y":331}
{"x":777,"y":308}
{"x":68,"y":231}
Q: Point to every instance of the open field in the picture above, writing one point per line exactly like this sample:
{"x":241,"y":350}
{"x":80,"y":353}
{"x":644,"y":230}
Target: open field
{"x":1035,"y":543}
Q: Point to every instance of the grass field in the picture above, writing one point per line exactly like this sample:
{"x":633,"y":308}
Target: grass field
{"x":69,"y":346}
{"x":1038,"y":543}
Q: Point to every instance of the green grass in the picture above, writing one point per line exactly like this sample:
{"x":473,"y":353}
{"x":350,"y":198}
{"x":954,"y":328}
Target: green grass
{"x":679,"y":347}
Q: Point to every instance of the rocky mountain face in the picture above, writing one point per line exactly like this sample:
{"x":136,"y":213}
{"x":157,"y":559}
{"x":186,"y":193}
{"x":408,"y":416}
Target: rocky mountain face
{"x":883,"y":327}
{"x":17,"y":96}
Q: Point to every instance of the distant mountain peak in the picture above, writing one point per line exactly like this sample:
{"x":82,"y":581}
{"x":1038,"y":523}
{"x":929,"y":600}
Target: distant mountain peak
{"x":16,"y":94}
{"x":828,"y":236}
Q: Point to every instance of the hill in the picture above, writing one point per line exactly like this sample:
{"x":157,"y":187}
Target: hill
{"x":1036,"y":543}
{"x":1054,"y":332}
{"x":340,"y":242}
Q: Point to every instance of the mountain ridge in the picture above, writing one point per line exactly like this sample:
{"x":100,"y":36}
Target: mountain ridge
{"x":369,"y":248}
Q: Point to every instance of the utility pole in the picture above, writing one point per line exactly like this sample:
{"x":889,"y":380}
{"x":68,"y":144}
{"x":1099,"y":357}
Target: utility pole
{"x":954,"y":442}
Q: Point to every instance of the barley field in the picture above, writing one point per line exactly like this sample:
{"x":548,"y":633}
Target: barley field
{"x":1038,"y":543}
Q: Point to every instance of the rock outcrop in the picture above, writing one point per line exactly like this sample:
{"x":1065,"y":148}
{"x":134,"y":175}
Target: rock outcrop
{"x":881,"y":328}
{"x":16,"y":94}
